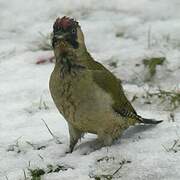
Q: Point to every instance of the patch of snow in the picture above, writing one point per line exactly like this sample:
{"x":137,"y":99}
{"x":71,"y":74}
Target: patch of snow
{"x":25,"y":99}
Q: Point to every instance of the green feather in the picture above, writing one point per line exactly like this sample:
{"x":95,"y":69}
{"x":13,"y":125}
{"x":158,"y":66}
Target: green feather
{"x":112,"y":85}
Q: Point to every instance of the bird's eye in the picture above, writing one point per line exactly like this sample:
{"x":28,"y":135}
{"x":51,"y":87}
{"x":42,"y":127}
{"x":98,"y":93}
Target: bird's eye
{"x":73,"y":31}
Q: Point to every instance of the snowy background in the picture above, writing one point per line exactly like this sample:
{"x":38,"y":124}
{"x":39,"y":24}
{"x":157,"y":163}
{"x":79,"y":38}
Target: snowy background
{"x":118,"y":33}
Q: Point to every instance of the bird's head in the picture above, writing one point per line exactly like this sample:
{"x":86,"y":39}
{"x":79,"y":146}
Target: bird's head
{"x":67,"y":36}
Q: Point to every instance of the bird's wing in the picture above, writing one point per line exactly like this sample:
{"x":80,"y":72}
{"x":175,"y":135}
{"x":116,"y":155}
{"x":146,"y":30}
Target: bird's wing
{"x":112,"y":85}
{"x":109,"y":83}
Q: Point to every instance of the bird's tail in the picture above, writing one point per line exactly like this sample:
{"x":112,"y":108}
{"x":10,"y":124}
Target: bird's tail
{"x":138,"y":118}
{"x":148,"y":121}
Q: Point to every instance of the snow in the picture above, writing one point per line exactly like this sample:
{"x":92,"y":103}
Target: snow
{"x":24,"y":88}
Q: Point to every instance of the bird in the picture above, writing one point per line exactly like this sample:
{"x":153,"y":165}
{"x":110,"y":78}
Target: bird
{"x":89,"y":96}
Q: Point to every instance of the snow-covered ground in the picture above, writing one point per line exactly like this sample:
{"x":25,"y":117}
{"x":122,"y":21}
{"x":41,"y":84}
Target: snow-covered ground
{"x":119,"y":34}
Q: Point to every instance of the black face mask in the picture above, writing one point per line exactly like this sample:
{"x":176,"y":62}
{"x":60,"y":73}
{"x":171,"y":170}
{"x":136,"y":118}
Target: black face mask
{"x":71,"y":36}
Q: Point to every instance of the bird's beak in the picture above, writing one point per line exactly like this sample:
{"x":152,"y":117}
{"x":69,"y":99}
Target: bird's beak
{"x":60,"y":36}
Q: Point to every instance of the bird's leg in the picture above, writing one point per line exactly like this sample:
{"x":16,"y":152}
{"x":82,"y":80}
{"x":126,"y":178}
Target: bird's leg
{"x":75,"y":135}
{"x":106,"y":139}
{"x":102,"y":140}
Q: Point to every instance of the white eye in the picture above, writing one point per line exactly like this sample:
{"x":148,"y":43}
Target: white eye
{"x":73,"y":31}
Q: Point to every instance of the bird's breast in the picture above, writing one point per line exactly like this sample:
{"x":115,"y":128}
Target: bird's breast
{"x":79,"y":99}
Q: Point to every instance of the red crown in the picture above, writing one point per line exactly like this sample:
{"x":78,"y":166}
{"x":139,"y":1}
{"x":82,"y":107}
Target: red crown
{"x":64,"y":23}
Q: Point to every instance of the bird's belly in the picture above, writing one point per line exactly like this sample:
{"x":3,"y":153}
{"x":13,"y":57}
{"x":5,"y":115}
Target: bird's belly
{"x":85,"y":105}
{"x":90,"y":107}
{"x":81,"y":101}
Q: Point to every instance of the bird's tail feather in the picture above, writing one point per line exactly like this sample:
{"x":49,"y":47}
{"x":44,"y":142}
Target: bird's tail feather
{"x":138,"y":118}
{"x":149,"y":121}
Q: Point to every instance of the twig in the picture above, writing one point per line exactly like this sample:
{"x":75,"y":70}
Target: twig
{"x":54,"y":137}
{"x":40,"y":103}
{"x":172,"y":148}
{"x":121,"y":165}
{"x":108,"y":176}
{"x":25,"y":177}
{"x":107,"y":158}
{"x":171,"y":116}
{"x":175,"y":143}
{"x":29,"y":163}
{"x":40,"y":156}
{"x":167,"y":150}
{"x":118,"y":169}
{"x":31,"y":144}
{"x":48,"y":129}
{"x":45,"y":106}
{"x":149,"y":37}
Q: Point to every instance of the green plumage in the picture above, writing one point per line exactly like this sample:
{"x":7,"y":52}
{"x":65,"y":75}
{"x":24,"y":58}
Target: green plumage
{"x":109,"y":83}
{"x":112,"y":85}
{"x":87,"y":94}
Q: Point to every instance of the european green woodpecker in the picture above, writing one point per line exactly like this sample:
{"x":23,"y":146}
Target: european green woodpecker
{"x":88,"y":95}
